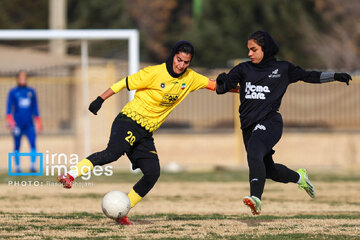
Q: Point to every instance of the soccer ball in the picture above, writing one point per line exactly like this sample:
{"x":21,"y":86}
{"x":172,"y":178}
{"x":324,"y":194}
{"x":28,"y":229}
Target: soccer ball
{"x":115,"y":204}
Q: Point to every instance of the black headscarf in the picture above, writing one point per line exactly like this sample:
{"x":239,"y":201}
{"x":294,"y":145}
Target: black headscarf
{"x":174,"y":50}
{"x":268,"y":45}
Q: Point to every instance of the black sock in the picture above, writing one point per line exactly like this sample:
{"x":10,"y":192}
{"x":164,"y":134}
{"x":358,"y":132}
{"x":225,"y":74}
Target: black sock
{"x":257,"y":174}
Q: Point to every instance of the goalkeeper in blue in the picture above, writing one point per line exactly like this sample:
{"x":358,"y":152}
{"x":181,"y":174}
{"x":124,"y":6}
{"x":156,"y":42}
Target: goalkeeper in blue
{"x":263,"y":82}
{"x":22,"y":109}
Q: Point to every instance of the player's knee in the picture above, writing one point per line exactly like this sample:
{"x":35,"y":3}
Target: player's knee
{"x":254,"y":156}
{"x":255,"y":153}
{"x":113,"y":153}
{"x":152,"y":178}
{"x":152,"y":174}
{"x":112,"y":156}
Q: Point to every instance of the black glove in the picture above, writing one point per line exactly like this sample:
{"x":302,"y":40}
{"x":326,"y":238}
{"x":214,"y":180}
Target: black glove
{"x":96,"y":105}
{"x":220,"y":83}
{"x":342,"y":77}
{"x":221,"y":78}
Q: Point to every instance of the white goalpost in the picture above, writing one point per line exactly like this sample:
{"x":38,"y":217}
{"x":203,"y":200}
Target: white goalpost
{"x":132,"y":35}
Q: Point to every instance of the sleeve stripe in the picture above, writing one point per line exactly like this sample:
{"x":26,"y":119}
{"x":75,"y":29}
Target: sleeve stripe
{"x":127,"y":83}
{"x":211,"y":85}
{"x":327,"y":77}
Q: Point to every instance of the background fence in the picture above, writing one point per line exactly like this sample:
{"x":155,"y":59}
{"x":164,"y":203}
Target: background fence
{"x":201,"y":122}
{"x":304,"y":106}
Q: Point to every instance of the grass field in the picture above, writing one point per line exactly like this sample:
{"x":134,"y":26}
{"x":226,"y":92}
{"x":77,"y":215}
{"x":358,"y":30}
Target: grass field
{"x":183,"y":206}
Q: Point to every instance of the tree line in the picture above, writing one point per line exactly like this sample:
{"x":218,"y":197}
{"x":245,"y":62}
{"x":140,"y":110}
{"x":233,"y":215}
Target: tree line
{"x":311,"y":33}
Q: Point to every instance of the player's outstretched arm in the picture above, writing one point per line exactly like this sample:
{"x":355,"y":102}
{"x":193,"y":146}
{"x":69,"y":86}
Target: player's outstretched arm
{"x":96,"y":104}
{"x":136,"y":80}
{"x":108,"y":93}
{"x":211,"y":85}
{"x":297,"y":73}
{"x":324,"y":77}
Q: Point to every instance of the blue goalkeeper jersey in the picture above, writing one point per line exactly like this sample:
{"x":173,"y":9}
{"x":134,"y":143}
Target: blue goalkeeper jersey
{"x":22,"y":104}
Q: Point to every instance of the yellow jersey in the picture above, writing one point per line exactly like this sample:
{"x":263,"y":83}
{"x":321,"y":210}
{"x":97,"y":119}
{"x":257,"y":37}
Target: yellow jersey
{"x":158,"y":93}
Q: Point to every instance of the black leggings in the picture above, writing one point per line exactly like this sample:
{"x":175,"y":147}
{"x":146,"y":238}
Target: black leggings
{"x":138,"y":144}
{"x":259,"y":139}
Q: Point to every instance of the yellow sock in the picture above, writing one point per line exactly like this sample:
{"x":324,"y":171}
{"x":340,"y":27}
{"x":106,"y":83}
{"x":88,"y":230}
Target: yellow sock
{"x":83,"y":167}
{"x":134,"y":198}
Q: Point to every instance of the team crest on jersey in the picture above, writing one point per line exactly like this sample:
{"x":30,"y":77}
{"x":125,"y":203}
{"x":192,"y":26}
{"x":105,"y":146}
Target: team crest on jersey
{"x":183,"y":86}
{"x":162,"y":85}
{"x":275,"y":74}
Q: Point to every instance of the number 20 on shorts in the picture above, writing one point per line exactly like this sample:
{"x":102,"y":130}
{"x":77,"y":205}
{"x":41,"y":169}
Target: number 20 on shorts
{"x":130,"y":138}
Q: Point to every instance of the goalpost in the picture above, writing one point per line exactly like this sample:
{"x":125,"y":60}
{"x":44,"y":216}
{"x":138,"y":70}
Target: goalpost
{"x":132,"y":35}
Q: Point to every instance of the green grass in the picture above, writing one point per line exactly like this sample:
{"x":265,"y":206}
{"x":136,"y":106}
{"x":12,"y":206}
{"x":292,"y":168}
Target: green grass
{"x":176,"y":217}
{"x":153,"y":231}
{"x":214,"y":176}
{"x":188,"y":217}
{"x":349,"y":225}
{"x":192,"y":225}
{"x":74,"y":215}
{"x":100,"y":230}
{"x":281,"y":236}
{"x":113,"y":237}
{"x":166,"y":226}
{"x":85,"y":195}
{"x":33,"y":227}
{"x":72,"y":226}
{"x":13,"y":228}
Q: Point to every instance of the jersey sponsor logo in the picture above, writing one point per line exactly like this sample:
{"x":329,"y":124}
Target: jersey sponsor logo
{"x":260,"y":127}
{"x":24,"y":102}
{"x":169,"y":99}
{"x":275,"y":74}
{"x":162,"y":85}
{"x":255,"y":91}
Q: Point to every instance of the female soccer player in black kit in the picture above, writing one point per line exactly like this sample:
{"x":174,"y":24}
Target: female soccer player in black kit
{"x":263,"y":82}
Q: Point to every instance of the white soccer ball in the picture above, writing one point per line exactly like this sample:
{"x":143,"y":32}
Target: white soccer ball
{"x":115,"y":204}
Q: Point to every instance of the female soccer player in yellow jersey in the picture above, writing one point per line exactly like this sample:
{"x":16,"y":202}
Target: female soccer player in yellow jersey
{"x":160,"y":89}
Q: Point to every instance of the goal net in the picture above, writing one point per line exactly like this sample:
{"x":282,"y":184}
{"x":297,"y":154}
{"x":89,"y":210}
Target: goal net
{"x":65,"y":84}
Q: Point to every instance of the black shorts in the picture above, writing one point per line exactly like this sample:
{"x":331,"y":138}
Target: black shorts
{"x":264,"y":134}
{"x":130,"y":138}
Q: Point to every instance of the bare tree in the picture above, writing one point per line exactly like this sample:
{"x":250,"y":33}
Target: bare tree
{"x":152,"y":18}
